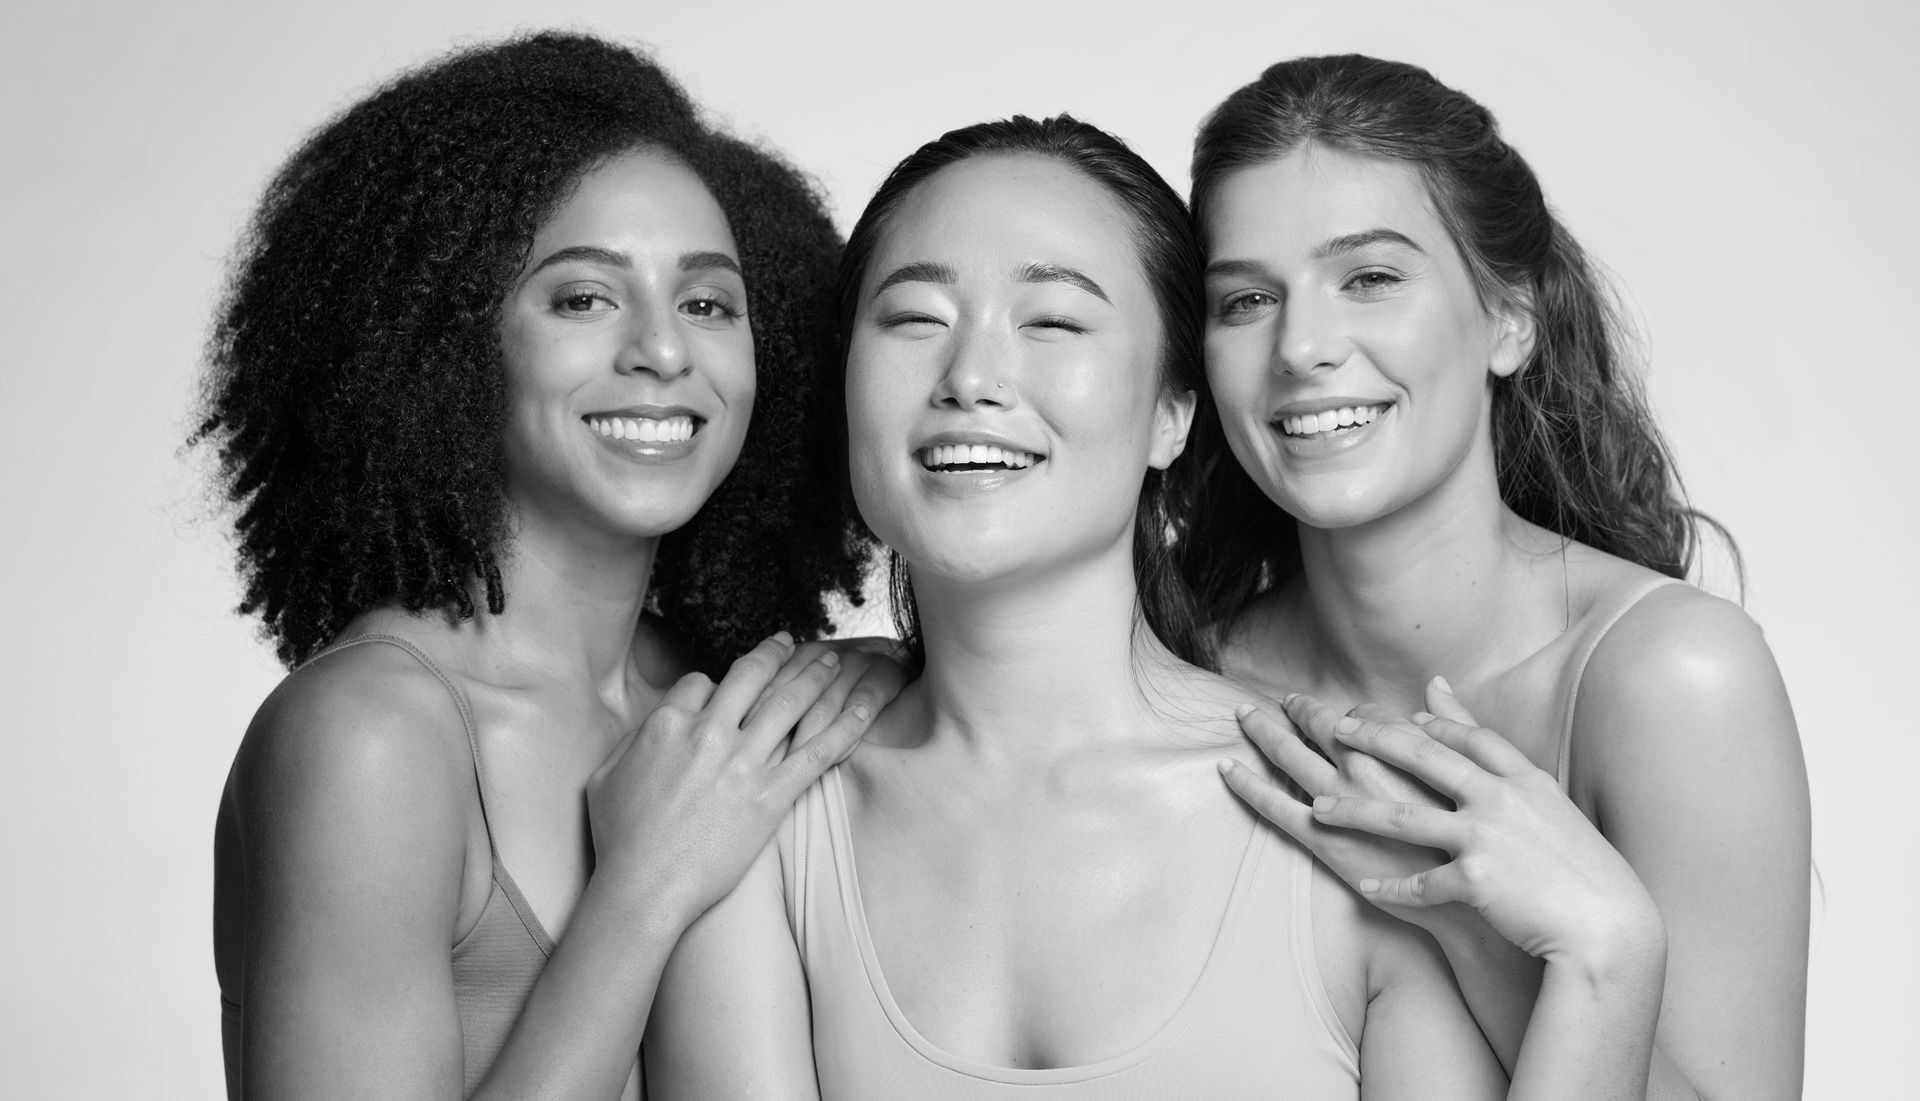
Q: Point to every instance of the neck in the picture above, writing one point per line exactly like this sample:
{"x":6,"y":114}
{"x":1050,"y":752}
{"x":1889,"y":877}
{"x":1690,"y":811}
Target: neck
{"x":1437,"y":587}
{"x":574,"y":603}
{"x":1038,"y":668}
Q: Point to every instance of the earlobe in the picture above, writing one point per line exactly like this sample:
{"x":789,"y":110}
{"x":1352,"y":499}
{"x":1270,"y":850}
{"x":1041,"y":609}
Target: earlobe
{"x":1172,"y":420}
{"x":1513,"y":344}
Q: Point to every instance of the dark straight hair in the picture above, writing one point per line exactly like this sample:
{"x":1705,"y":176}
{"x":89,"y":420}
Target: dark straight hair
{"x":1575,"y":446}
{"x":1171,"y":258}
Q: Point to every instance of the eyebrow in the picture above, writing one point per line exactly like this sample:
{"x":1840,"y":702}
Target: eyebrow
{"x":1057,"y":273}
{"x":1353,"y":242}
{"x":920,"y":271}
{"x":689,"y":261}
{"x":1234,"y":267}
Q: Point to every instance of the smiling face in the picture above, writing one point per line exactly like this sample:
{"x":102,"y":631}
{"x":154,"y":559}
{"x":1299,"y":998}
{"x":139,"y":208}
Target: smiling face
{"x":628,"y":353}
{"x":1004,"y":395}
{"x":1348,"y":350}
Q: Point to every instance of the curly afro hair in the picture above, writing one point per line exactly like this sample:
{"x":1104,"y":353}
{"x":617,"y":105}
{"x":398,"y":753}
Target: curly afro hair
{"x":356,"y":395}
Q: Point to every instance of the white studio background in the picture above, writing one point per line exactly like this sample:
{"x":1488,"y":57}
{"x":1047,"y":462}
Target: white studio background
{"x":1739,"y":165}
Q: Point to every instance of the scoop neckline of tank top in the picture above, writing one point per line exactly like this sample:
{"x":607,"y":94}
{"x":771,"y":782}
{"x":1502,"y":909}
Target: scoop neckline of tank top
{"x":1190,"y":1002}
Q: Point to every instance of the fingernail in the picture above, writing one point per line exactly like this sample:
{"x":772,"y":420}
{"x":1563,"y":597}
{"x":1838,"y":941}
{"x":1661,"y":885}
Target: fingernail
{"x":1442,"y":682}
{"x":1289,"y":697}
{"x":1369,"y":886}
{"x":1347,"y":724}
{"x":1244,"y":710}
{"x":1422,"y":717}
{"x":783,"y":638}
{"x":1225,"y":766}
{"x":829,"y":658}
{"x":861,"y":712}
{"x":1322,"y":804}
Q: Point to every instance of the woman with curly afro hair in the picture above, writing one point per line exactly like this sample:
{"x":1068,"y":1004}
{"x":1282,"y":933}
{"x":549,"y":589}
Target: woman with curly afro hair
{"x":515,"y":392}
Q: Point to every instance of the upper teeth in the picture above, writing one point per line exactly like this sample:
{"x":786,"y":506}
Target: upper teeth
{"x":646,"y":429}
{"x":1307,"y":424}
{"x":952,"y":454}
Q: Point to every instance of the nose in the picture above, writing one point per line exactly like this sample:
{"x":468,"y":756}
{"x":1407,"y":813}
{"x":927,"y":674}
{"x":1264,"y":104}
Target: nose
{"x":1309,"y":337}
{"x":977,"y":371}
{"x":654,"y":343}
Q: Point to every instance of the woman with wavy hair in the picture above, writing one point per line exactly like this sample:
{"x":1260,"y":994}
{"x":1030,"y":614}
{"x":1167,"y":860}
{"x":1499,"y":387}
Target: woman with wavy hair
{"x":1432,"y":457}
{"x":1030,"y":879}
{"x":514,"y":390}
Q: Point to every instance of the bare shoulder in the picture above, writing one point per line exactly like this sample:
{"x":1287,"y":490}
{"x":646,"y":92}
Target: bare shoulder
{"x":1684,"y":687}
{"x":366,"y":732}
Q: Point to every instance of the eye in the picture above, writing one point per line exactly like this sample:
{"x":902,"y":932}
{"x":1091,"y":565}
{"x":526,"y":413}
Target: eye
{"x":1372,"y":281}
{"x":581,"y":302}
{"x":711,"y":307}
{"x":1243,"y":306}
{"x":906,"y":319}
{"x":1057,"y":324}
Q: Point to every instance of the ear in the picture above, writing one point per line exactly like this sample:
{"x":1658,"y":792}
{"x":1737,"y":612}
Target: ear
{"x":1172,"y":419}
{"x":1513,"y":337}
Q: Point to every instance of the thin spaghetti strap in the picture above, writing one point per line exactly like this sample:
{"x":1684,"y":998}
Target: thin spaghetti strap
{"x":1563,"y":767}
{"x":459,"y":701}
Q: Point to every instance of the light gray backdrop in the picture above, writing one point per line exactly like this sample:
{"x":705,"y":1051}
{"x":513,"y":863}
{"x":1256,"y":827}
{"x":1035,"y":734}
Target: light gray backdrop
{"x":1745,"y":169}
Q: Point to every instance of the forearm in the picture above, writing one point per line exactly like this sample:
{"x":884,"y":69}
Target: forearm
{"x":1499,"y":982}
{"x":579,"y":1033}
{"x":1590,"y":1035}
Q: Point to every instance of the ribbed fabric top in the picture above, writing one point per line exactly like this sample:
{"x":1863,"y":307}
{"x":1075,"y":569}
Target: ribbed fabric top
{"x":1256,"y":1023}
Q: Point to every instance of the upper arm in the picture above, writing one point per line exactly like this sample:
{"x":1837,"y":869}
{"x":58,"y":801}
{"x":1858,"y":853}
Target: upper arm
{"x":351,"y":830}
{"x":1419,"y":1039}
{"x":1685,"y":745}
{"x":731,"y":1018}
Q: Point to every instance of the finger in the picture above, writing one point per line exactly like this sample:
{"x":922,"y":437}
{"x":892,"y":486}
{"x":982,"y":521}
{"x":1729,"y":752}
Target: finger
{"x":882,"y":681}
{"x":1270,"y":800}
{"x":748,"y":677}
{"x":1425,"y":758}
{"x":1433,"y":887}
{"x":800,"y":657}
{"x":1281,"y":743}
{"x":806,"y":762}
{"x":1442,"y":702}
{"x":1315,"y":720}
{"x":1478,"y":744}
{"x":1429,"y":827}
{"x":854,"y":665}
{"x":779,"y":708}
{"x":690,"y":693}
{"x":1375,"y":713}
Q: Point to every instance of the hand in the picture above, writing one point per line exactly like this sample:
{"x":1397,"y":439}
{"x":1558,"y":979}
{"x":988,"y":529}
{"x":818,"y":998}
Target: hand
{"x":1302,"y":743}
{"x":1523,"y":855}
{"x":689,"y":799}
{"x":873,"y":670}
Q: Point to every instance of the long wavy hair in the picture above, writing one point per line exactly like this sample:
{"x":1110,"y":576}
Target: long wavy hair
{"x":1171,"y":258}
{"x":356,"y":395}
{"x":1575,"y":446}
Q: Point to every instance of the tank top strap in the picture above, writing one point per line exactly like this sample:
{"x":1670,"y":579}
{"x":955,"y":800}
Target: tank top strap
{"x":1577,"y":670}
{"x":466,"y":720}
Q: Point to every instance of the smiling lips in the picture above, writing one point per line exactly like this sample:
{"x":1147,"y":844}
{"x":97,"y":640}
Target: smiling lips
{"x":961,"y":457}
{"x":674,"y":429}
{"x":1330,"y":421}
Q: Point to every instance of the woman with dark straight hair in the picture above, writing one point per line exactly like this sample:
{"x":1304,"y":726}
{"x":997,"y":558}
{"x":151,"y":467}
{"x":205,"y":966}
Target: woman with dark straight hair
{"x":1053,"y":890}
{"x":1432,"y":457}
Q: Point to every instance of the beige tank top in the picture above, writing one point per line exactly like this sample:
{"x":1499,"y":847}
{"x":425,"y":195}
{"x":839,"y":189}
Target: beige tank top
{"x":1257,"y":1022}
{"x":496,"y":964}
